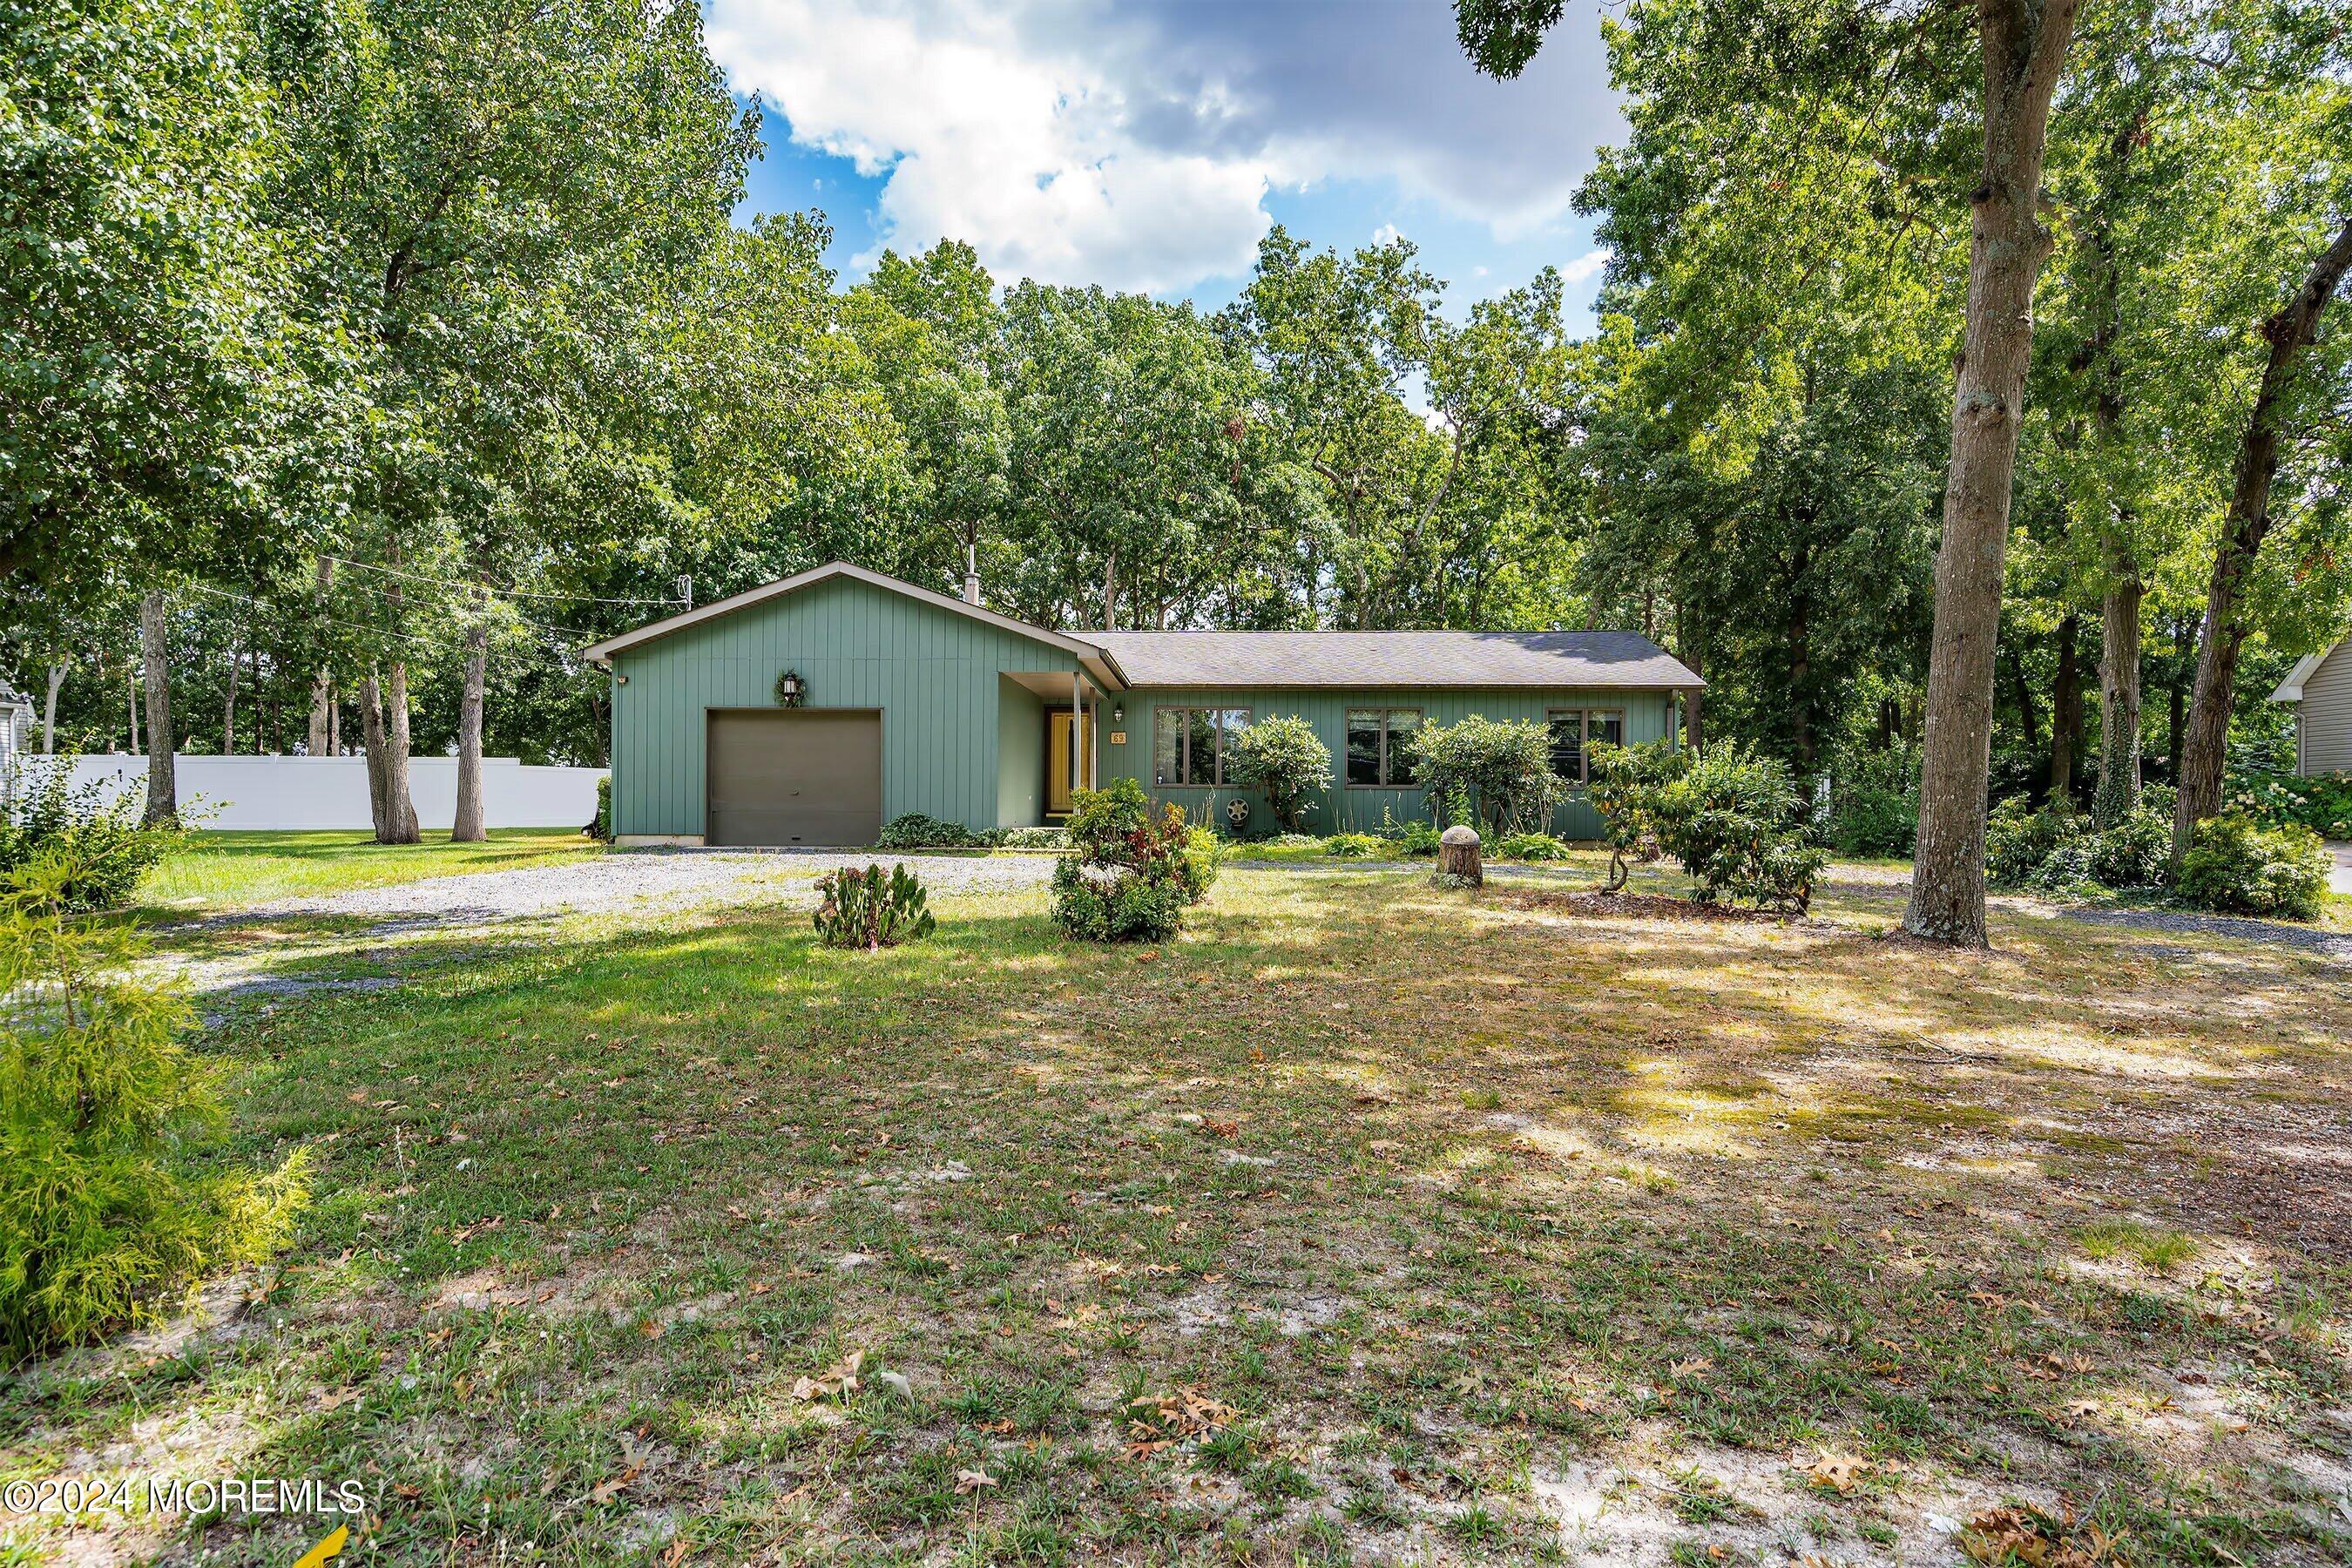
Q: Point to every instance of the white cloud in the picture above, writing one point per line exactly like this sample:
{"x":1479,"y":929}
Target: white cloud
{"x":1133,"y":143}
{"x":1586,"y":265}
{"x":1027,"y":156}
{"x":1386,"y":234}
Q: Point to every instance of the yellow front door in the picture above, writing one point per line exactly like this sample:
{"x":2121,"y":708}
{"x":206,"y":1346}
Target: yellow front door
{"x":1057,"y":761}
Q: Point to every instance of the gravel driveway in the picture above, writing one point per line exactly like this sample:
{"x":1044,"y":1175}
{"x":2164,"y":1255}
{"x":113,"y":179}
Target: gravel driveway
{"x":633,"y":878}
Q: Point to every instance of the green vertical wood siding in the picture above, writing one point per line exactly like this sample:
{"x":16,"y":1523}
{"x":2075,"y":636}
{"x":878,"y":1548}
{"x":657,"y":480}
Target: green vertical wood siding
{"x":1019,"y":756}
{"x":932,"y":672}
{"x":1648,"y":717}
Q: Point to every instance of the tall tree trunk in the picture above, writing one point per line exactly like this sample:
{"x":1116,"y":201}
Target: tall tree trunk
{"x":2119,"y":764}
{"x":2290,"y":331}
{"x":467,"y":828}
{"x":2175,"y":723}
{"x":2022,"y":693}
{"x":49,"y":711}
{"x":228,"y":705}
{"x":2118,"y":792}
{"x":334,"y":721}
{"x":1111,"y":592}
{"x":2024,"y":48}
{"x":1800,"y":677}
{"x":2065,"y":710}
{"x":399,"y":822}
{"x":154,"y":654}
{"x":322,"y":684}
{"x":373,"y":742}
{"x":1687,"y":646}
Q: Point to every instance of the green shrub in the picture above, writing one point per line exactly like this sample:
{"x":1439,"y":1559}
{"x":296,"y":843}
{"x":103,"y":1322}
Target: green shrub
{"x":1136,"y":868}
{"x":1735,"y":821}
{"x":871,"y":910}
{"x":2322,"y":802}
{"x":93,"y":828}
{"x":1285,"y":758}
{"x":601,"y":828}
{"x":1353,"y":846}
{"x":101,"y":1216}
{"x":2017,"y":840}
{"x":1503,"y":767}
{"x":1414,"y":836}
{"x":913,"y":830}
{"x":1034,"y":837}
{"x":2237,"y":865}
{"x":1529,"y":847}
{"x":1625,"y":785}
{"x":2134,"y":852}
{"x":1875,"y":806}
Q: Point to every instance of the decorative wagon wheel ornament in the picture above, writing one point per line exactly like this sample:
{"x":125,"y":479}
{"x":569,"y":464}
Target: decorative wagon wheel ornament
{"x":790,"y":690}
{"x":1237,"y":812}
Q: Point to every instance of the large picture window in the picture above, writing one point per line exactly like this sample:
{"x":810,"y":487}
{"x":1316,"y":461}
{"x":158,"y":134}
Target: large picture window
{"x":1379,"y":746}
{"x":1575,"y":731}
{"x":1188,"y":744}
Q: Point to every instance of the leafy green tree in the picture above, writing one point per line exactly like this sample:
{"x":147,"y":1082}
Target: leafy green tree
{"x":1285,"y":757}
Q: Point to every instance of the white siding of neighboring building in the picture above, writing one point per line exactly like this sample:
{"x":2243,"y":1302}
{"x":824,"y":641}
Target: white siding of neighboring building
{"x":12,"y":740}
{"x":2323,"y":719}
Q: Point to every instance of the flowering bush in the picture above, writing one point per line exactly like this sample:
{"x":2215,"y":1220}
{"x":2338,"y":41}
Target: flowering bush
{"x":2322,"y":802}
{"x":1136,"y":870}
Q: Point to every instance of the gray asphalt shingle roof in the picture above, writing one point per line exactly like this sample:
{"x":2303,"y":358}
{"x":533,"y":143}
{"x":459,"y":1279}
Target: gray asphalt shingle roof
{"x":1392,"y":658}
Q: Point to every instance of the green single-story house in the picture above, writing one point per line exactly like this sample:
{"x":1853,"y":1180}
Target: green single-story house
{"x":813,"y":709}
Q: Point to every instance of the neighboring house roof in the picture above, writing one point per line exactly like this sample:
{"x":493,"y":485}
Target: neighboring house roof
{"x":1273,"y":658}
{"x":2291,"y":689}
{"x":12,"y":698}
{"x":1394,"y":659}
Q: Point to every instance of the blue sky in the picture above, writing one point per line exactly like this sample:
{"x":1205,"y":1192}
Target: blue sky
{"x":1150,"y":145}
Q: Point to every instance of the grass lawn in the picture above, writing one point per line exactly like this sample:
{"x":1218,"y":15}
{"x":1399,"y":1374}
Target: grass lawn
{"x":226,"y":869}
{"x":1364,"y":1220}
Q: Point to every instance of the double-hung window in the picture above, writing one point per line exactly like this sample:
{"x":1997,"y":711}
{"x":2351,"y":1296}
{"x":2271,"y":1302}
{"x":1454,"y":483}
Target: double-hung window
{"x":1188,"y":744}
{"x":1575,"y":731}
{"x":1379,"y":746}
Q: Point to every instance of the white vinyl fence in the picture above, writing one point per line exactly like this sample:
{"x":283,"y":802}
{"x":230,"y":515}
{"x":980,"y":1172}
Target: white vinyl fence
{"x":283,"y":793}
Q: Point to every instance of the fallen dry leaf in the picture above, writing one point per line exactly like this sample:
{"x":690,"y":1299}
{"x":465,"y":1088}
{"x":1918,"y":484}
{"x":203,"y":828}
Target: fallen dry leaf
{"x":842,"y":1380}
{"x":971,"y":1481}
{"x":1840,"y":1473}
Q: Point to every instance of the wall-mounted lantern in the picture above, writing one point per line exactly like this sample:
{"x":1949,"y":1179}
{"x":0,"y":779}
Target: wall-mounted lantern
{"x":790,"y":690}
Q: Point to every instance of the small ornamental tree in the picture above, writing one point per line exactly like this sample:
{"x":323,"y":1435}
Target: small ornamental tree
{"x":1503,"y":766}
{"x":103,"y":1212}
{"x":1285,"y":758}
{"x":1624,"y":786}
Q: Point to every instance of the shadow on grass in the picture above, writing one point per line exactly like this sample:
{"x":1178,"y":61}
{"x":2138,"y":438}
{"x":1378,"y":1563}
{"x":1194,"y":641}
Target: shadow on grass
{"x":1431,"y":1178}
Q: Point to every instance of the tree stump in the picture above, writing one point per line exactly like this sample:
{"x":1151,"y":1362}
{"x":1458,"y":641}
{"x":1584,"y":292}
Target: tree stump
{"x":1458,"y":865}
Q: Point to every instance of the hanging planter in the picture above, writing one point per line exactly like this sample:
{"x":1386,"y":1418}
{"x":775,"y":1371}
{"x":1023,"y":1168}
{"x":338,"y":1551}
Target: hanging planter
{"x":790,"y":690}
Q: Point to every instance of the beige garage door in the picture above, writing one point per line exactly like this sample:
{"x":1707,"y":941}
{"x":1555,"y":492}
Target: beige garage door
{"x":779,"y":777}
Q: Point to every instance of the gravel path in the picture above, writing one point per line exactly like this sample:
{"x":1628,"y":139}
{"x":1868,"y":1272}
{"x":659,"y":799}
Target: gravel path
{"x":626,"y":879}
